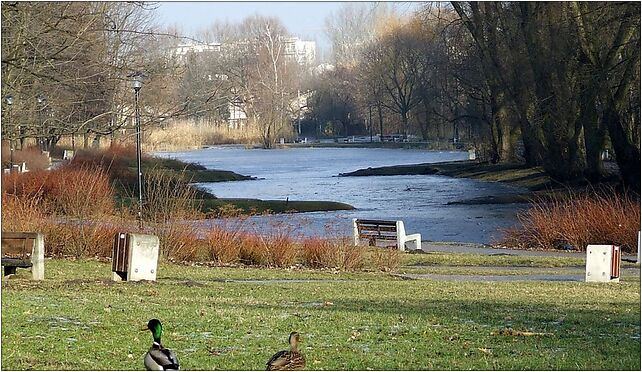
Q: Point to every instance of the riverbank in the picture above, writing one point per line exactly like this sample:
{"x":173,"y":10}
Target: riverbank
{"x":258,"y":206}
{"x":431,"y":146}
{"x":534,"y":179}
{"x":514,"y":174}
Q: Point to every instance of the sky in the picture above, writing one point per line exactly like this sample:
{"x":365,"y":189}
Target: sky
{"x":305,"y":19}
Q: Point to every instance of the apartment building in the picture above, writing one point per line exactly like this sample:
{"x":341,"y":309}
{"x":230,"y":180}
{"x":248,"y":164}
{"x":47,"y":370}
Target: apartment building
{"x":301,"y":51}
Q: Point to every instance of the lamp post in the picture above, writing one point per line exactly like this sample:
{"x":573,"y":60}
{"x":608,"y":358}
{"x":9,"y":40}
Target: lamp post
{"x":11,"y":140}
{"x":298,"y":103}
{"x":370,"y":120}
{"x":137,"y":83}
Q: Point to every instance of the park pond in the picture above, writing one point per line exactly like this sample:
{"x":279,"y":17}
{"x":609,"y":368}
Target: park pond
{"x":307,"y":173}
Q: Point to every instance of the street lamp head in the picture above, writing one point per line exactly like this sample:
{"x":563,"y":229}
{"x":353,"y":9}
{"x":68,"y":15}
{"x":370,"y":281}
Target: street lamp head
{"x":9,"y":100}
{"x":137,"y":80}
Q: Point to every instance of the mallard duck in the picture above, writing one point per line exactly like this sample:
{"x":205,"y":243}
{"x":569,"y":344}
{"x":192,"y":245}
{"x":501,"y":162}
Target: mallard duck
{"x":285,"y":360}
{"x":159,"y":358}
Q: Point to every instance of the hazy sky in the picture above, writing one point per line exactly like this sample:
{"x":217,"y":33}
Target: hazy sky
{"x":302,"y":18}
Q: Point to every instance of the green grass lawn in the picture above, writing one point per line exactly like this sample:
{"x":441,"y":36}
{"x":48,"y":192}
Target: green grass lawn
{"x":236,"y":318}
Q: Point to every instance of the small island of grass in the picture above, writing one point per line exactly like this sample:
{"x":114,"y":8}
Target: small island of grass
{"x":120,"y":164}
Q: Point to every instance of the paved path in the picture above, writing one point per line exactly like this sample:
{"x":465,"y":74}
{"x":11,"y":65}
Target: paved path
{"x":481,"y":249}
{"x":573,"y":274}
{"x":497,"y":278}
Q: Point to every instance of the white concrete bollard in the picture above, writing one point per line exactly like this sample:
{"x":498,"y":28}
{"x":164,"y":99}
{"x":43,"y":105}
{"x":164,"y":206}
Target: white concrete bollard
{"x":136,"y":259}
{"x":38,"y":258}
{"x":355,"y":231}
{"x":602,"y":263}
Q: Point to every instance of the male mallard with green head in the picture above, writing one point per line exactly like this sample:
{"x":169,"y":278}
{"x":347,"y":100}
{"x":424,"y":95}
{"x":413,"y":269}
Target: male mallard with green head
{"x":291,"y":360}
{"x":159,"y":358}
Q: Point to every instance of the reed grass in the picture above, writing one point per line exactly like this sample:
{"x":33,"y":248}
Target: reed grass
{"x":186,"y":134}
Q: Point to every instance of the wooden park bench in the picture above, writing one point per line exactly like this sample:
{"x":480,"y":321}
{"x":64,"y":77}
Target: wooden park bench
{"x":391,"y":231}
{"x":24,"y":250}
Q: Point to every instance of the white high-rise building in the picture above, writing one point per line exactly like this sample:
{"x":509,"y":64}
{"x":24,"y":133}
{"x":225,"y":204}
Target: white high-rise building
{"x":303,"y":52}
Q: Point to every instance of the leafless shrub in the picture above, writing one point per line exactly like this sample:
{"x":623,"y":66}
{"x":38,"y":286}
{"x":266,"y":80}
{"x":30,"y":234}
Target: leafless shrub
{"x":589,"y":218}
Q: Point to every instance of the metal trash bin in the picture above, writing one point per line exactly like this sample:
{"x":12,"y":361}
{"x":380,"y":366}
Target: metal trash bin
{"x":134,"y":257}
{"x":603,"y":263}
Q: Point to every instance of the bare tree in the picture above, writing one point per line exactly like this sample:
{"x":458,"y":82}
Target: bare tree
{"x":352,"y":27}
{"x":66,"y":65}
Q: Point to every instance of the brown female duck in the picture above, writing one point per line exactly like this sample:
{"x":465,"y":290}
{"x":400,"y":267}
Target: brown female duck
{"x":285,"y":360}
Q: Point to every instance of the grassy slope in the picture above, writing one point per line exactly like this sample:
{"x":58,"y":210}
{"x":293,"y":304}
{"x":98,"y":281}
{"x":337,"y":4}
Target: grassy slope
{"x":195,"y":172}
{"x":77,"y":319}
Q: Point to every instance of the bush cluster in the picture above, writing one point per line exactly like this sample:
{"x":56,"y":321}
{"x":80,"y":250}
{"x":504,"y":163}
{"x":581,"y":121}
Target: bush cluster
{"x":74,"y":207}
{"x":573,"y":223}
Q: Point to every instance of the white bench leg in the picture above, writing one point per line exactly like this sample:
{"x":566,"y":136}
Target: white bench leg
{"x":38,"y":258}
{"x":418,"y":242}
{"x":401,"y":236}
{"x":414,"y":238}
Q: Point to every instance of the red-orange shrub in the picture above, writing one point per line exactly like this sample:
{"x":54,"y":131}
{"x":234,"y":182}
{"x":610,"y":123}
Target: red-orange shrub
{"x":224,"y":244}
{"x":179,"y":240}
{"x":88,"y":239}
{"x":78,"y":192}
{"x":252,"y":250}
{"x":350,"y":256}
{"x":116,"y":161}
{"x":336,"y":252}
{"x":21,"y":214}
{"x":590,"y":218}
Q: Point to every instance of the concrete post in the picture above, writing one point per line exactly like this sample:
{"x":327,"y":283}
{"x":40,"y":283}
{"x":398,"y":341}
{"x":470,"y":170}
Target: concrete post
{"x":355,"y":231}
{"x":38,"y":258}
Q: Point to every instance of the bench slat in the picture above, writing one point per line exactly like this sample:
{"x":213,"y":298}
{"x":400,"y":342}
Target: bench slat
{"x":19,"y":235}
{"x":374,"y":233}
{"x":379,"y":237}
{"x":377,"y":228}
{"x":377,"y":222}
{"x":17,"y":247}
{"x":16,"y":262}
